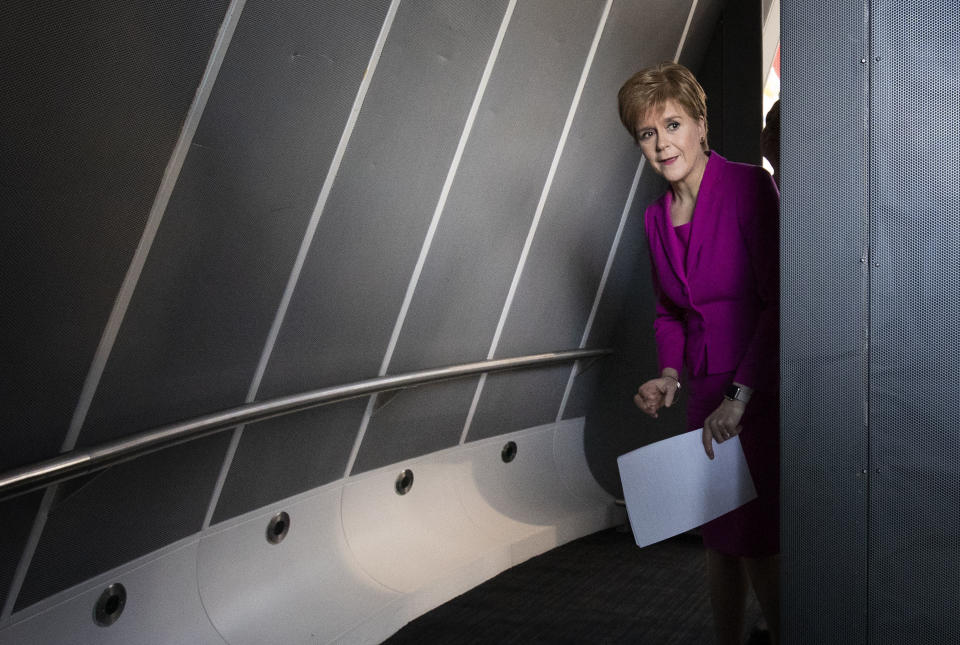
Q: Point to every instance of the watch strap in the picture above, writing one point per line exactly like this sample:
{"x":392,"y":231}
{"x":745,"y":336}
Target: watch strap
{"x":736,"y":393}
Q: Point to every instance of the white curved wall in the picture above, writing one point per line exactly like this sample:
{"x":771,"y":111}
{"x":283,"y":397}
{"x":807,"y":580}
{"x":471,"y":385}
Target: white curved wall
{"x":358,"y":562}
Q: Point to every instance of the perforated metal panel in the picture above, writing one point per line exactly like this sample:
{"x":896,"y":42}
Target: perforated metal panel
{"x":915,"y":323}
{"x":824,"y":290}
{"x":875,"y":562}
{"x":16,"y":514}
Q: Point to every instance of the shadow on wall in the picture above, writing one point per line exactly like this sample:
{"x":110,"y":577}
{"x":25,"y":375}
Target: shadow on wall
{"x":614,"y":425}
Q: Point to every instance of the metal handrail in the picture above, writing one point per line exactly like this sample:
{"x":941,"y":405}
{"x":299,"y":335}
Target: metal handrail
{"x":79,"y":462}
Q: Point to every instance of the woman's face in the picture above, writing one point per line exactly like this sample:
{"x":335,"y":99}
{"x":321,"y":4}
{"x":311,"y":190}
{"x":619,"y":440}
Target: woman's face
{"x":670,"y":140}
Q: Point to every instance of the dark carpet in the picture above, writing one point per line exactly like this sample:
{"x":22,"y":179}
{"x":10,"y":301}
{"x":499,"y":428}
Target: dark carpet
{"x":599,"y":589}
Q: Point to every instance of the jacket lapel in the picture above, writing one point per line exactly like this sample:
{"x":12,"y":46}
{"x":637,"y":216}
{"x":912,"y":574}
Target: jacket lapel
{"x":668,"y":239}
{"x":704,"y":211}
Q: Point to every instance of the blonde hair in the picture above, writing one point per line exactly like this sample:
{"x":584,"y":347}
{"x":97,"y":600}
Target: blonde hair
{"x":652,"y":87}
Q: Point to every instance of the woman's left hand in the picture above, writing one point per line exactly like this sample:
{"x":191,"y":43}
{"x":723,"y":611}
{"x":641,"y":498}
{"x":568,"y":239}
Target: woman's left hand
{"x":722,"y":424}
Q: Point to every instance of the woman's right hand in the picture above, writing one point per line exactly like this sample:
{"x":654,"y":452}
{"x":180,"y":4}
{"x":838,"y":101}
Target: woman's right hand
{"x":657,"y":393}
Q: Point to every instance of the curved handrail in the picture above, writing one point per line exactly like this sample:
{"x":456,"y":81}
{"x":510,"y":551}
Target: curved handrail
{"x":82,"y":461}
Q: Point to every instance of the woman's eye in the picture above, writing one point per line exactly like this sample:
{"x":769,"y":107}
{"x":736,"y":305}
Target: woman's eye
{"x":673,"y":125}
{"x":646,"y":134}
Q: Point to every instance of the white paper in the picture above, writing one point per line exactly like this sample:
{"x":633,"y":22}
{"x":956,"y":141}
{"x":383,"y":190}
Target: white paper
{"x":671,"y":486}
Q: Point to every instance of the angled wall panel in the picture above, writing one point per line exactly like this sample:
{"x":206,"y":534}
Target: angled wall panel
{"x":17,"y":515}
{"x":197,"y":323}
{"x":88,"y":128}
{"x":342,"y":313}
{"x":454,"y":313}
{"x":582,"y":213}
{"x":199,"y":320}
{"x":86,"y":136}
{"x":624,"y":322}
{"x":824,"y":292}
{"x":103,"y":520}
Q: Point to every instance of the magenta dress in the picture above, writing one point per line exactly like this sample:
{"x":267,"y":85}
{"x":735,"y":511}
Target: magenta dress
{"x":717,"y":322}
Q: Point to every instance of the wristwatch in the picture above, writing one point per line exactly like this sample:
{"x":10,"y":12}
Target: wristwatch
{"x":736,"y":393}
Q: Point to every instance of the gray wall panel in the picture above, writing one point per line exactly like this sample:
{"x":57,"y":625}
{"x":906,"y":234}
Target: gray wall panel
{"x":562,"y":273}
{"x":702,"y":28}
{"x":199,"y":318}
{"x":824,"y":323}
{"x":457,"y":303}
{"x":17,"y":514}
{"x":614,"y":425}
{"x":342,"y":313}
{"x":265,"y":469}
{"x":516,"y":400}
{"x":915,"y":329}
{"x":101,"y":521}
{"x":416,"y":422}
{"x":456,"y":307}
{"x":88,"y":127}
{"x":198,"y":322}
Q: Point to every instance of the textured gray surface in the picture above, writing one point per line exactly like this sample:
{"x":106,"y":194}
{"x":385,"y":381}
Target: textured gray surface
{"x":614,"y":425}
{"x":562,"y":273}
{"x":17,"y":514}
{"x":824,"y":293}
{"x":278,"y":458}
{"x":492,"y":202}
{"x":199,"y":320}
{"x":341,"y":316}
{"x":416,"y":422}
{"x":915,"y":329}
{"x":101,"y":521}
{"x":494,"y":197}
{"x":88,"y":127}
{"x":87,"y":131}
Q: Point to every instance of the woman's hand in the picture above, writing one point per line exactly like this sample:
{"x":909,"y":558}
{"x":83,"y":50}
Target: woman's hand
{"x":657,"y":393}
{"x":722,"y":424}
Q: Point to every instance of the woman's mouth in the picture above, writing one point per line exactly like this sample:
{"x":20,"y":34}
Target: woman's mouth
{"x":667,"y":162}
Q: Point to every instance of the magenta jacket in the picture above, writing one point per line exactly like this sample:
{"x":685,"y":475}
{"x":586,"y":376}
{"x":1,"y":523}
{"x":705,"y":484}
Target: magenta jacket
{"x":719,"y":309}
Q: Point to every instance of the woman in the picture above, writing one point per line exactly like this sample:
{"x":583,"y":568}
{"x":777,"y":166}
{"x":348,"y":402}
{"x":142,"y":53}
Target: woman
{"x":713,"y":239}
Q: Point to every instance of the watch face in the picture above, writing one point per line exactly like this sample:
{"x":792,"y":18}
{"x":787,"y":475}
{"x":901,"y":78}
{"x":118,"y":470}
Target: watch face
{"x":734,"y":392}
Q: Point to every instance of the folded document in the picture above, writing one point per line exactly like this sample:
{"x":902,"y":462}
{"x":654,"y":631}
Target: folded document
{"x":671,"y":486}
